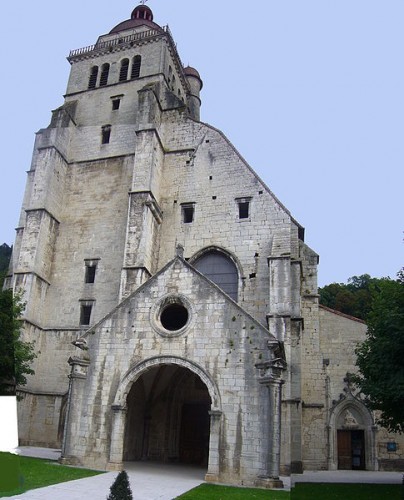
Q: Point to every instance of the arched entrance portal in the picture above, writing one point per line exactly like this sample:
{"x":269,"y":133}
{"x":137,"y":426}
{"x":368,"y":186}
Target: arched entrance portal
{"x":351,"y":436}
{"x":168,"y":417}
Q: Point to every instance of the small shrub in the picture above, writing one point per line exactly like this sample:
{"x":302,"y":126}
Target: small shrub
{"x":120,"y":490}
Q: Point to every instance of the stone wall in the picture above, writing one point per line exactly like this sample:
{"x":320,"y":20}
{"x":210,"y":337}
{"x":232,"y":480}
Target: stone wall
{"x":219,"y":338}
{"x":42,"y":404}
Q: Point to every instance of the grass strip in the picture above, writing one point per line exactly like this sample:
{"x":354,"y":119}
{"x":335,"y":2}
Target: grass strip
{"x":20,"y":474}
{"x":301,"y":491}
{"x":217,"y":492}
{"x":347,"y":491}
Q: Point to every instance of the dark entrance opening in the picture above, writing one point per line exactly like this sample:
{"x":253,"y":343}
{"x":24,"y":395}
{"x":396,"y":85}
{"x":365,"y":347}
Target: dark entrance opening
{"x":351,"y":449}
{"x":168,"y":417}
{"x":194,"y":437}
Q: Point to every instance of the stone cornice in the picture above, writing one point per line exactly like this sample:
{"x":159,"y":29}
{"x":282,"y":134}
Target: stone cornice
{"x":28,"y":210}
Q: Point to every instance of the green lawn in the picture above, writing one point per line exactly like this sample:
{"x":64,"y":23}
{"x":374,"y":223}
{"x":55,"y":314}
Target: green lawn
{"x":334,"y":491}
{"x":19,"y":474}
{"x":302,"y":491}
{"x":215,"y":492}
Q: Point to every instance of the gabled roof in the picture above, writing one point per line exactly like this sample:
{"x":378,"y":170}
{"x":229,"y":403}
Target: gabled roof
{"x":339,"y":313}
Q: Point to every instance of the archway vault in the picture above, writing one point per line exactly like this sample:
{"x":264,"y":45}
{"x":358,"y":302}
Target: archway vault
{"x":120,"y":409}
{"x":136,"y":371}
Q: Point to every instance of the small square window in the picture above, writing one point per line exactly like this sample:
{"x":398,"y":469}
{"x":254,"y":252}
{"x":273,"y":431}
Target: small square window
{"x":188,"y":212}
{"x":105,"y":134}
{"x":116,"y":104}
{"x":90,"y":270}
{"x":243,"y":208}
{"x":391,"y":447}
{"x":90,"y":273}
{"x":85,"y":313}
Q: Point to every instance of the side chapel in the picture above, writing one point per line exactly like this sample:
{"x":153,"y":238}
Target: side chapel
{"x":171,"y":296}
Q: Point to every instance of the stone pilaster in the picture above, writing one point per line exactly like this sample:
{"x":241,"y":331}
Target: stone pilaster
{"x":213,"y":472}
{"x":77,"y":377}
{"x":117,"y":438}
{"x":270,"y":377}
{"x":144,"y":219}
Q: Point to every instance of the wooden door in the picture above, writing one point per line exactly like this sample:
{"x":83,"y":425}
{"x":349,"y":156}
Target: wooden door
{"x":344,"y":450}
{"x":351,"y":450}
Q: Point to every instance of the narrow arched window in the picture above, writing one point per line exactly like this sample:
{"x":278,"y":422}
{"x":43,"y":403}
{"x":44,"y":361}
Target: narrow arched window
{"x":137,"y":62}
{"x":123,"y":74}
{"x":92,"y":81}
{"x":104,"y":75}
{"x":220,"y":269}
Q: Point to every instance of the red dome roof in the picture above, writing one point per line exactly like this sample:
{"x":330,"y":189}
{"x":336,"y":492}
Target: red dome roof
{"x":141,"y":16}
{"x":189,"y":71}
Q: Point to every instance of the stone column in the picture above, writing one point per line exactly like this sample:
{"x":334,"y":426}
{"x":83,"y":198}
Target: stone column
{"x":271,"y":378}
{"x":117,"y":438}
{"x":70,"y":446}
{"x":212,"y":474}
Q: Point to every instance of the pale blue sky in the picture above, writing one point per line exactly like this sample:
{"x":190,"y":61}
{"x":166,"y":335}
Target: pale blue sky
{"x":309,"y":91}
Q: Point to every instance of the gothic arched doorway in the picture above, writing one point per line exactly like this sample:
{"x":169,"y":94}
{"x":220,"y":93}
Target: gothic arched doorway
{"x":352,"y":440}
{"x":168,"y":417}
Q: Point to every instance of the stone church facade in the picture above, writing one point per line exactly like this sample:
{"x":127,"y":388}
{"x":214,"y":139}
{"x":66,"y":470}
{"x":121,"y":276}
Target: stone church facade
{"x":170,"y":294}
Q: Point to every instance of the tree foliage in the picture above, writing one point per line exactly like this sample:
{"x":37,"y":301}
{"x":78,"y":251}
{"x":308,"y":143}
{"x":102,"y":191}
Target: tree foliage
{"x":354,"y":298}
{"x":16,"y":355}
{"x":120,"y":489}
{"x":380,"y":358}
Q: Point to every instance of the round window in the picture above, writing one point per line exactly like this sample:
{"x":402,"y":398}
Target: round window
{"x":174,"y":317}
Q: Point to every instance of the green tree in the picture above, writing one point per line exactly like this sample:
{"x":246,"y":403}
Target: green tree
{"x":16,"y":355}
{"x":354,"y":298}
{"x":120,"y":489}
{"x":380,"y":358}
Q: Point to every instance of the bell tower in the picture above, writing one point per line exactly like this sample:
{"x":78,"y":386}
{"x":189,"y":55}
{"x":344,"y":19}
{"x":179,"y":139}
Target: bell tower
{"x":91,"y":218}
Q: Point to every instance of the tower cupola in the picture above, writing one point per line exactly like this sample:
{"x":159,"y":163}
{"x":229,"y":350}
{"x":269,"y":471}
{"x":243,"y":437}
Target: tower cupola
{"x":141,"y":16}
{"x":142,"y":12}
